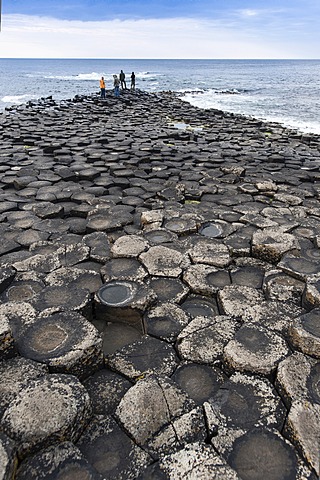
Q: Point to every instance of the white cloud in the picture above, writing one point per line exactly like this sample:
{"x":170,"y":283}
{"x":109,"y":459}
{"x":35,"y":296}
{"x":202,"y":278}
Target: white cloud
{"x":260,"y":12}
{"x":31,"y":36}
{"x":249,"y":13}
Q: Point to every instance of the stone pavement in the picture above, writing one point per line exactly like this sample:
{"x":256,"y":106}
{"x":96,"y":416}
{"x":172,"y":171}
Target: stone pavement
{"x":159,"y":293}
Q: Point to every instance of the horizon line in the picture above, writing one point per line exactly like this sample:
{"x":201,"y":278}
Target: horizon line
{"x":162,"y":58}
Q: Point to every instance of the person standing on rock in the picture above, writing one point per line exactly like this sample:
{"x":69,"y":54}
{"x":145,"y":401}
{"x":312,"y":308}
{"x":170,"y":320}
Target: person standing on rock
{"x":133,"y":81}
{"x":123,"y":80}
{"x":102,"y":88}
{"x":116,"y":84}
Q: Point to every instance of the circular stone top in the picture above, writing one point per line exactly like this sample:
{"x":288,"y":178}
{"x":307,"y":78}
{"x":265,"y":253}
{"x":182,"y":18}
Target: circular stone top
{"x":159,"y":236}
{"x":211,"y":230}
{"x":117,"y":293}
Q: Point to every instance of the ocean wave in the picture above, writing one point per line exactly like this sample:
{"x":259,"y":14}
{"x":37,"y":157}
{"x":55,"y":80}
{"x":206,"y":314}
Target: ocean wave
{"x":194,"y":91}
{"x":248,"y":105}
{"x":17,"y":98}
{"x":95,"y":76}
{"x":300,"y":125}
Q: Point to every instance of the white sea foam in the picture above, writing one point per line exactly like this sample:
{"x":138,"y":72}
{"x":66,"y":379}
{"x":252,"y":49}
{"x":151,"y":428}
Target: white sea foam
{"x":245,"y":104}
{"x":17,"y":98}
{"x":94,"y":76}
{"x":252,"y":88}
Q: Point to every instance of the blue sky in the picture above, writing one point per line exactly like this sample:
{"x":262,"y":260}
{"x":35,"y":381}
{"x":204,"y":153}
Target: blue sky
{"x":160,"y":28}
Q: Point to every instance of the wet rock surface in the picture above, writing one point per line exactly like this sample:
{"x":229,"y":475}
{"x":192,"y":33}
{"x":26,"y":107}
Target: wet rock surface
{"x":159,"y":292}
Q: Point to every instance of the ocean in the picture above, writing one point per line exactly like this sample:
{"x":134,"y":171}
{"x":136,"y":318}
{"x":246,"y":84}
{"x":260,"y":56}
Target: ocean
{"x":283,"y":91}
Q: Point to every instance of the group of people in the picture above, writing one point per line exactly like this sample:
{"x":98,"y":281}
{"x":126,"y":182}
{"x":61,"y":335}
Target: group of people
{"x":117,"y":81}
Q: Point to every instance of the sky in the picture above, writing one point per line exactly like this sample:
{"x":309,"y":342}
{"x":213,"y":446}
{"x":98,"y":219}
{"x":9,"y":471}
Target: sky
{"x":195,"y":29}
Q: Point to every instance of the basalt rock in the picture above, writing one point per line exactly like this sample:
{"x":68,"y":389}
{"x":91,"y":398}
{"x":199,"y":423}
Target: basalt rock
{"x":15,"y":374}
{"x":33,"y":425}
{"x":64,"y":460}
{"x":202,"y":228}
{"x":66,"y":342}
{"x":204,"y":339}
{"x":195,"y":460}
{"x":255,"y":349}
{"x":110,"y":451}
{"x":8,"y":457}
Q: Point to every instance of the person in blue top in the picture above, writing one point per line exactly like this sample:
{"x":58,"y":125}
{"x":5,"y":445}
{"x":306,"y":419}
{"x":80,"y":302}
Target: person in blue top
{"x":116,"y":84}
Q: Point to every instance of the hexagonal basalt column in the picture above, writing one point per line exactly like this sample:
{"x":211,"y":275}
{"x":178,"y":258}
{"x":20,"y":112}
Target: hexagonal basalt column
{"x":279,"y":286}
{"x":210,"y":251}
{"x":195,"y":461}
{"x":123,"y":301}
{"x":106,"y":388}
{"x":311,"y":295}
{"x":144,"y":356}
{"x":72,"y":276}
{"x":255,"y":349}
{"x":65,"y":341}
{"x":168,"y":289}
{"x":123,"y":269}
{"x":242,"y":403}
{"x":153,"y":218}
{"x":58,"y":461}
{"x":235,"y":299}
{"x":271,"y":245}
{"x":163,"y":261}
{"x":58,"y":298}
{"x":300,"y":267}
{"x":273,"y":315}
{"x":110,"y":451}
{"x":150,"y":408}
{"x":200,"y":382}
{"x":199,"y":306}
{"x":165,"y":321}
{"x":248,"y":275}
{"x":129,"y":246}
{"x":159,"y":236}
{"x":205,"y":279}
{"x":15,"y":373}
{"x":302,"y":429}
{"x":181,"y":226}
{"x":203,"y":340}
{"x":50,"y":409}
{"x":298,"y":379}
{"x":263,"y":453}
{"x":216,"y":229}
{"x":304,"y":333}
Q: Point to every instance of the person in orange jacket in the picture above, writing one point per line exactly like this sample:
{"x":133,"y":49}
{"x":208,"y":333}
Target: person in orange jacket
{"x":102,"y":88}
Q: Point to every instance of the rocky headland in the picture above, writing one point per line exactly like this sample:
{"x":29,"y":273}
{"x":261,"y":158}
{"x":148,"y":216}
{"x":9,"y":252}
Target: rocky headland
{"x":159,"y":293}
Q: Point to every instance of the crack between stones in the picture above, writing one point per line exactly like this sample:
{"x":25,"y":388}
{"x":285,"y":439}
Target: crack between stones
{"x":170,"y":416}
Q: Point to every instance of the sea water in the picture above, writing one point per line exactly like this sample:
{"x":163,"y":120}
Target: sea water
{"x":283,"y":91}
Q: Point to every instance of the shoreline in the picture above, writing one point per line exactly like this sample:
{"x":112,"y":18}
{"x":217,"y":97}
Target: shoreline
{"x":179,"y":95}
{"x":160,"y":289}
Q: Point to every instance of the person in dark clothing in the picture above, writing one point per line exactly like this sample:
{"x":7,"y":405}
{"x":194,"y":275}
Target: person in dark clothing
{"x":122,"y":79}
{"x":133,"y":81}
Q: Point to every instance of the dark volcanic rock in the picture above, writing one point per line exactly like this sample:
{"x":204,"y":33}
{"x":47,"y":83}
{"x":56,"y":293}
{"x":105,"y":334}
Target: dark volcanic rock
{"x":202,"y":229}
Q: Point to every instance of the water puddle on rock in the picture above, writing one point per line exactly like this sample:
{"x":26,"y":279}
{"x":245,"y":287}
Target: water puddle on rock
{"x":185,"y":126}
{"x":116,"y":293}
{"x":211,"y":230}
